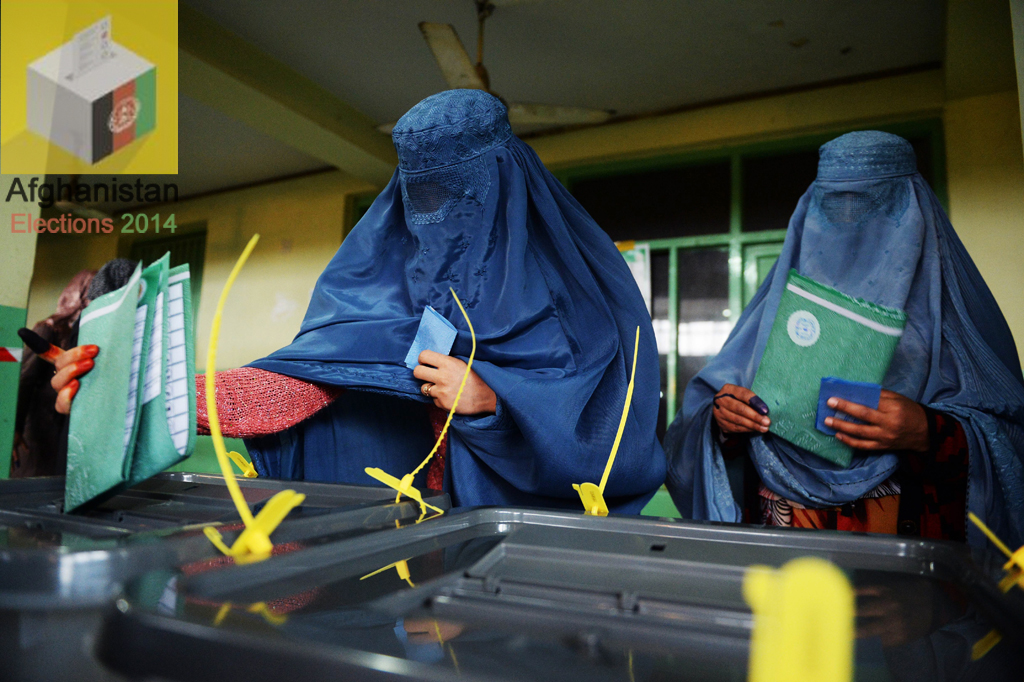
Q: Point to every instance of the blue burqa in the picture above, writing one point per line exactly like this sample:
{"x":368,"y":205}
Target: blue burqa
{"x":552,"y":301}
{"x":871,"y":227}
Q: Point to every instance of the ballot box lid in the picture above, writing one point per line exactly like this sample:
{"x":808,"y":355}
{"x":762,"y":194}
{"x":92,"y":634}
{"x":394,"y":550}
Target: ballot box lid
{"x":500,"y":594}
{"x":57,"y":560}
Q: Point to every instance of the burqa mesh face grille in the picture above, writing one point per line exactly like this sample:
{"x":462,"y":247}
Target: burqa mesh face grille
{"x":845,"y":209}
{"x":431,"y":195}
{"x":442,"y":144}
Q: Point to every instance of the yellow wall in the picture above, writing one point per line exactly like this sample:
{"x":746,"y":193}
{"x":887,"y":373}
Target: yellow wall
{"x":986,"y":194}
{"x":18,"y":249}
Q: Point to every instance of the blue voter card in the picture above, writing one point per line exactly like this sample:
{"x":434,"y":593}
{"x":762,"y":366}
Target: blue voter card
{"x":859,"y":392}
{"x":435,"y":333}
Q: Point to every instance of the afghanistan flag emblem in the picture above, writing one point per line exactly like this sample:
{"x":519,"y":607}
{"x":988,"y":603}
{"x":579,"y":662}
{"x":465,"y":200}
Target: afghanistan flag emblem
{"x":95,"y":113}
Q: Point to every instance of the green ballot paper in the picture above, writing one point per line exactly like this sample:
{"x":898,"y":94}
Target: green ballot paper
{"x":820,"y":332}
{"x":134,"y":413}
{"x":167,"y":424}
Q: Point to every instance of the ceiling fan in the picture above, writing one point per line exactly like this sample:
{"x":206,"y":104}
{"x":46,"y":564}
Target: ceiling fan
{"x":460,"y":72}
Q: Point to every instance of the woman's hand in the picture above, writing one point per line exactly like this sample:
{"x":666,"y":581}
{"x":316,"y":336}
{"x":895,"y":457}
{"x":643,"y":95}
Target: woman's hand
{"x":69,"y":365}
{"x":443,"y":374}
{"x":898,"y":424}
{"x":734,"y":414}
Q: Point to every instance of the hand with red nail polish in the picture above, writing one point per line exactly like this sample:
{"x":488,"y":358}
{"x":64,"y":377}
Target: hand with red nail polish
{"x":70,"y":365}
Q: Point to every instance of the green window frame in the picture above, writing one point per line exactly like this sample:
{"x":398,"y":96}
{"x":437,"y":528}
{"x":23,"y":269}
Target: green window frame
{"x":187,"y":245}
{"x":751,"y":254}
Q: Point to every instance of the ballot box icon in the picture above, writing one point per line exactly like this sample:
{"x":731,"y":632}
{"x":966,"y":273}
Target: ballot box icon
{"x":91,"y":96}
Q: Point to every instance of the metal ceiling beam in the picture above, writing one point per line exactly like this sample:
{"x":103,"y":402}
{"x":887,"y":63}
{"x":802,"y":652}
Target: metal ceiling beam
{"x":234,"y":77}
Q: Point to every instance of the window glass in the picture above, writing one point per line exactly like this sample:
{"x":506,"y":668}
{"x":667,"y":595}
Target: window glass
{"x":659,"y":204}
{"x":703,"y":306}
{"x":659,"y":303}
{"x":772,"y":186}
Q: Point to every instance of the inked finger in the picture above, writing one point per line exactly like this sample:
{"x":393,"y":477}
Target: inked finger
{"x":741,"y":393}
{"x":741,"y":409}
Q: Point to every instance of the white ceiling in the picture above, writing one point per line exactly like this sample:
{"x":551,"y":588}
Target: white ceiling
{"x":215,"y":151}
{"x":633,"y":56}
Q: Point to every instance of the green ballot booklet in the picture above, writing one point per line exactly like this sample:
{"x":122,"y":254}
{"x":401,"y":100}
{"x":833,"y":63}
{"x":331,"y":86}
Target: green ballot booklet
{"x":134,"y":413}
{"x":820,"y":332}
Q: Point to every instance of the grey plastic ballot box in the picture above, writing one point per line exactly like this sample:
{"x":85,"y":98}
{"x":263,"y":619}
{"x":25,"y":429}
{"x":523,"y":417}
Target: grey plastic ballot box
{"x":59,"y":572}
{"x":505,"y":594}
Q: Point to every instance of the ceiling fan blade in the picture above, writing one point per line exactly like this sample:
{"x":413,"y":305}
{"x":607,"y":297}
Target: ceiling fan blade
{"x":458,"y":70}
{"x":526,"y":113}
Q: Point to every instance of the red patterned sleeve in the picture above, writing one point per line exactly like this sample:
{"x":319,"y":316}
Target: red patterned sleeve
{"x":936,"y":492}
{"x":254,"y":402}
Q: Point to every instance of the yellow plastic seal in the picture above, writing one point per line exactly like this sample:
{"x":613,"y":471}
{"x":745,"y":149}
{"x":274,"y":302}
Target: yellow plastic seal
{"x":260,"y":608}
{"x":253,"y":544}
{"x":803,"y":622}
{"x":402,"y":567}
{"x":1014,"y":568}
{"x":592,"y":496}
{"x":405,"y":486}
{"x":244,"y":465}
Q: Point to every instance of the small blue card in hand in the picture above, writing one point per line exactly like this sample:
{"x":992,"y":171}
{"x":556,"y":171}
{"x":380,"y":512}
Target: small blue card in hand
{"x":859,"y":392}
{"x":435,"y":333}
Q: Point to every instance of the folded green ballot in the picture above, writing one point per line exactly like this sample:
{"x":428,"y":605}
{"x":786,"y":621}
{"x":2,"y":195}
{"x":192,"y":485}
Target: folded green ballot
{"x":167,"y":424}
{"x":98,"y":441}
{"x":820,"y":332}
{"x":134,"y":413}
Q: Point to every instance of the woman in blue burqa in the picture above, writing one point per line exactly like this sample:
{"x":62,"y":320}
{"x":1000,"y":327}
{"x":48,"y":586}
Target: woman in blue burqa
{"x":948,"y":434}
{"x":555,"y":310}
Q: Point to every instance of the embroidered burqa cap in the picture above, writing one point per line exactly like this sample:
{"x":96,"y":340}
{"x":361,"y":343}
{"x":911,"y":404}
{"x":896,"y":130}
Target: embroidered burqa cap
{"x":871,"y":227}
{"x":553,"y":303}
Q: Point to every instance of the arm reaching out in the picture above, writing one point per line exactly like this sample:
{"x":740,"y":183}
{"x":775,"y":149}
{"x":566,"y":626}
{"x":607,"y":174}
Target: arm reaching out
{"x":255,"y":402}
